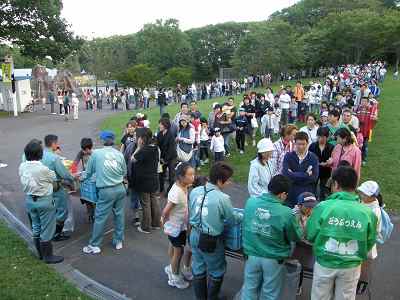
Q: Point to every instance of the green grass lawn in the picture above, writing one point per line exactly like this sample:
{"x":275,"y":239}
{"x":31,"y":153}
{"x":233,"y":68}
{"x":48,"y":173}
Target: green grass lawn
{"x":23,"y":276}
{"x":384,"y":157}
{"x":3,"y":114}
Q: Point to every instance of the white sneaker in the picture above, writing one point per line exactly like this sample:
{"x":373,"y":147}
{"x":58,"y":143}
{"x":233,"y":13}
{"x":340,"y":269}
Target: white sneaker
{"x":206,"y":161}
{"x":3,"y":165}
{"x":118,"y":246}
{"x":187,"y":273}
{"x":168,"y":271}
{"x":241,"y":152}
{"x":178,"y":282}
{"x":142,"y":231}
{"x":91,"y":249}
{"x":202,"y":163}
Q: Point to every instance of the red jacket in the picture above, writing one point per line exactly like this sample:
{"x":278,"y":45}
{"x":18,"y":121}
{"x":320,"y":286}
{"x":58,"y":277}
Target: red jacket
{"x":366,"y":116}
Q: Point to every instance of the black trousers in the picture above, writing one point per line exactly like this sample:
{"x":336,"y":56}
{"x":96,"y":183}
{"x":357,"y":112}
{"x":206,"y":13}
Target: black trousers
{"x":240,"y":139}
{"x":218,"y":156}
{"x":203,"y":153}
{"x":170,"y":165}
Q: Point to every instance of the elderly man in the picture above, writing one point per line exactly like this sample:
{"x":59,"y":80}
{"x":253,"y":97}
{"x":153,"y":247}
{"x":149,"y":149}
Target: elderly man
{"x":110,"y":168}
{"x":37,"y":183}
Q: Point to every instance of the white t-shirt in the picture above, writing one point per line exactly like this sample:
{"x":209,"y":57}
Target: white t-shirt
{"x":179,"y":212}
{"x":312,"y":133}
{"x":217,"y":144}
{"x":284,"y":101}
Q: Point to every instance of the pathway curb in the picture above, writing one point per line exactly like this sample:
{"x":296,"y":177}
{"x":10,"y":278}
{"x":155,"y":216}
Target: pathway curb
{"x":84,"y":283}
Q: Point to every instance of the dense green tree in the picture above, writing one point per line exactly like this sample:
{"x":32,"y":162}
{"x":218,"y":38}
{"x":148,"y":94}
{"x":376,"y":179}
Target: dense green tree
{"x":270,"y":46}
{"x":37,"y":28}
{"x":391,"y":30}
{"x":306,"y":14}
{"x":163,"y":45}
{"x":177,"y":75}
{"x":214,"y":46}
{"x":140,"y":75}
{"x":345,"y":37}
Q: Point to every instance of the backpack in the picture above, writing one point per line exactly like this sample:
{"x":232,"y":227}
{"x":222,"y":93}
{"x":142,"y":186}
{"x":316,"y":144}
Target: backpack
{"x":387,"y":227}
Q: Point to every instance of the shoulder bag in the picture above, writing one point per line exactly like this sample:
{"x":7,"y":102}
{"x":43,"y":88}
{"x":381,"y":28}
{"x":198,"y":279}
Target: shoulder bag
{"x":207,"y":242}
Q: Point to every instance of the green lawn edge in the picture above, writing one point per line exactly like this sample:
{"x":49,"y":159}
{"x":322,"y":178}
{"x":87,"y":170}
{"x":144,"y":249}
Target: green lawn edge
{"x":23,"y":276}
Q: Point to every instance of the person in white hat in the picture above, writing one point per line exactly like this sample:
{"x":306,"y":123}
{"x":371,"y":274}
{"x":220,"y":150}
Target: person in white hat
{"x":261,"y":168}
{"x":369,"y":192}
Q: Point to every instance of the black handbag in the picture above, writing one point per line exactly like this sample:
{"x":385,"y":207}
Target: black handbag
{"x":207,"y":243}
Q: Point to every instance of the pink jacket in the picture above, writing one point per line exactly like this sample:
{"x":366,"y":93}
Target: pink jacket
{"x":350,"y":153}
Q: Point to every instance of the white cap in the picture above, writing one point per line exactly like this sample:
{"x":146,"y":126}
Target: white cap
{"x":265,"y":145}
{"x":369,"y":188}
{"x":324,"y":114}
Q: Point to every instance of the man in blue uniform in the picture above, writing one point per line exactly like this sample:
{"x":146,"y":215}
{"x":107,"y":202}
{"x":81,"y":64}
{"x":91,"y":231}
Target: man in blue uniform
{"x":108,"y":164}
{"x":60,"y":195}
{"x":37,"y":183}
{"x":209,"y":207}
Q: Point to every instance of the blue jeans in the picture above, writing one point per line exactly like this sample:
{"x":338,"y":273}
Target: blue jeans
{"x":227,"y":138}
{"x":110,"y":199}
{"x":263,"y":279}
{"x":61,"y":199}
{"x":43,"y":215}
{"x":135,"y":201}
{"x":145,"y":102}
{"x":212,"y":263}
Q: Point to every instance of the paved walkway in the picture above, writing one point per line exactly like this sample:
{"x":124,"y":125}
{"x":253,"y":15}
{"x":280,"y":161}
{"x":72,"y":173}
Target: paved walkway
{"x":137,"y":269}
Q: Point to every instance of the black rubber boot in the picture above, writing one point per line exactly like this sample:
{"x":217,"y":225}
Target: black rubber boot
{"x":214,"y":286}
{"x":60,"y":235}
{"x":200,"y":287}
{"x":36,"y":242}
{"x":47,"y":252}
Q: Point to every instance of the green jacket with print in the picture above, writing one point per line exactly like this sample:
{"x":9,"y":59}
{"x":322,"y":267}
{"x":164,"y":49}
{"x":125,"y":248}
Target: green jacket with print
{"x":269,"y":228}
{"x":342,"y":231}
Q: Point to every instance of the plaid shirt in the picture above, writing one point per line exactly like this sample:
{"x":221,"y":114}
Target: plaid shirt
{"x":279,"y":153}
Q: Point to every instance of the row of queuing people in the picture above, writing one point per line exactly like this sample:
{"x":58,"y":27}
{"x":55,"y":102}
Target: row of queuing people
{"x":336,"y":272}
{"x":207,"y":248}
{"x":309,"y":166}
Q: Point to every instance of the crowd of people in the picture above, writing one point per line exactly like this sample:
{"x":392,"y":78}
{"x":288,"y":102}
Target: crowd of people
{"x":302,"y":185}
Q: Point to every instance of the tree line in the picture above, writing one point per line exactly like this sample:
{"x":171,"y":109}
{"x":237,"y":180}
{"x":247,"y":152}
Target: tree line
{"x":305,"y":36}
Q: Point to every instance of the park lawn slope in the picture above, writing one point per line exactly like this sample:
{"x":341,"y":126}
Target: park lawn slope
{"x":384,"y":153}
{"x":23,"y":276}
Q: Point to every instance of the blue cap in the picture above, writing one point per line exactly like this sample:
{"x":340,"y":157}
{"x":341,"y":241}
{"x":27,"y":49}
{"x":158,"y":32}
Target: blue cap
{"x":307,"y":199}
{"x":107,"y":135}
